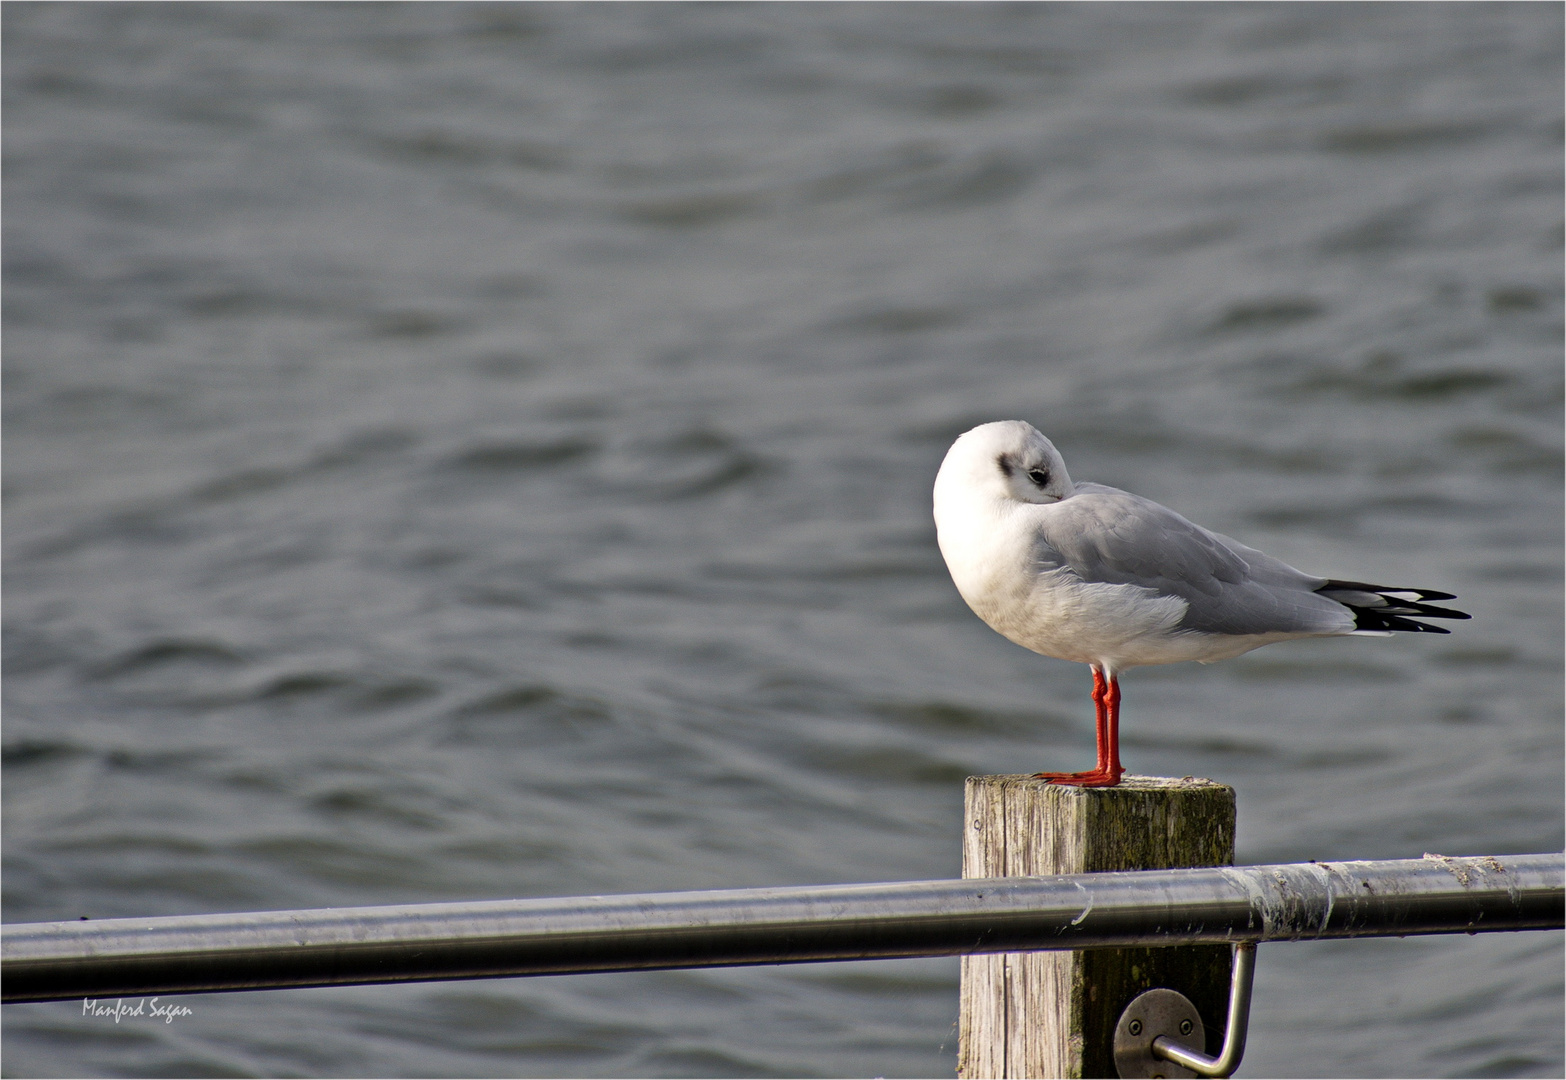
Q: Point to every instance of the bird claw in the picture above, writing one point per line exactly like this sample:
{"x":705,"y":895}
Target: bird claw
{"x":1095,"y":778}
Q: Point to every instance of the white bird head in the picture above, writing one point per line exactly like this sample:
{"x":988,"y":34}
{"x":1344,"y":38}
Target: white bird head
{"x":1007,"y":460}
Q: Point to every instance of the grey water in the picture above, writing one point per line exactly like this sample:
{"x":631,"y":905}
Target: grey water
{"x":460,"y":451}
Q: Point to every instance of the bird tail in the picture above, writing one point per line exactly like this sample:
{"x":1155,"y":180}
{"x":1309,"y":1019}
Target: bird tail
{"x":1378,"y":609}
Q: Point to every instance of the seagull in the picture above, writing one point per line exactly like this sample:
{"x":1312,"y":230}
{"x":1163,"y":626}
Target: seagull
{"x":1100,"y":576}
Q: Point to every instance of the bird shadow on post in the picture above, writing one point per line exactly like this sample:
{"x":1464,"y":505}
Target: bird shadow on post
{"x":1053,"y":1013}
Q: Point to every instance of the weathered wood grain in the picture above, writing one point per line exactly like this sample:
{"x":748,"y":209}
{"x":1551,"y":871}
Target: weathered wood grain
{"x":1053,"y":1014}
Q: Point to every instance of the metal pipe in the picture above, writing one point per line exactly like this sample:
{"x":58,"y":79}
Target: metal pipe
{"x":339,"y":946}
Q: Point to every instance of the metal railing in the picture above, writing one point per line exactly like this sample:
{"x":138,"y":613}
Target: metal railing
{"x":493,"y":939}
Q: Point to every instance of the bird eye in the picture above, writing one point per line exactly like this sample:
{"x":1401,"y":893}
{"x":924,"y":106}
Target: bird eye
{"x":1038,"y":476}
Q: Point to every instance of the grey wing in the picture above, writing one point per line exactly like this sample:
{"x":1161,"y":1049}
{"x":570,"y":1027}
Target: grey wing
{"x":1108,"y":535}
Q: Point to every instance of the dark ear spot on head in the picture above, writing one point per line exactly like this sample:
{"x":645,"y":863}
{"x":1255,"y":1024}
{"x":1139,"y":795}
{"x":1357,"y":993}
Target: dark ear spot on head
{"x":1006,"y":466}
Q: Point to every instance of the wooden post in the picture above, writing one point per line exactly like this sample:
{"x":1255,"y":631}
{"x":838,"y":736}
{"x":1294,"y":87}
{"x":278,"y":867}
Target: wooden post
{"x":1053,"y":1014}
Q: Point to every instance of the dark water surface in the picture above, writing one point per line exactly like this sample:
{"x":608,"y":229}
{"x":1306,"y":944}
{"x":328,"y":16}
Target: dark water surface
{"x":461,"y":452}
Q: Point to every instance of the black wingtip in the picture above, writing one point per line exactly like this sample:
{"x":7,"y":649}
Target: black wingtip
{"x":1385,"y":590}
{"x":1440,"y":612}
{"x":1373,"y":620}
{"x":1394,"y":608}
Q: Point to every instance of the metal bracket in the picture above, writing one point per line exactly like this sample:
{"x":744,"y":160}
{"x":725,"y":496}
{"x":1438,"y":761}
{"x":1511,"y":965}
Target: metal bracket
{"x":1161,"y":1035}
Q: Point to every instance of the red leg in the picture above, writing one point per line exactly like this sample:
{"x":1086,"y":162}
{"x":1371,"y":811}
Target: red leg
{"x":1115,"y":768}
{"x":1108,"y":770}
{"x":1101,"y":726}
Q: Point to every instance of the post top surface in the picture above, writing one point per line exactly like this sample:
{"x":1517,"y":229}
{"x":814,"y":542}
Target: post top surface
{"x":1128,"y":782}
